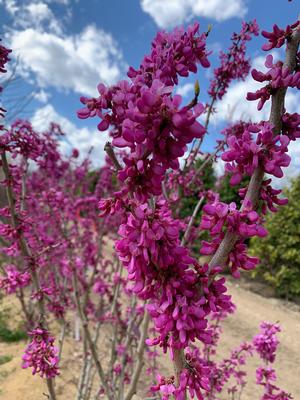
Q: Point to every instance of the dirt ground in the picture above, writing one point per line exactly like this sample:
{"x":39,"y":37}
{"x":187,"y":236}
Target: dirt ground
{"x":19,"y":384}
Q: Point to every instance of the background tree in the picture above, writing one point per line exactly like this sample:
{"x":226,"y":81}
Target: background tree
{"x":279,"y":251}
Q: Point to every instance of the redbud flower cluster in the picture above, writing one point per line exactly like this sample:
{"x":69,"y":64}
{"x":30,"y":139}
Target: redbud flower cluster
{"x":234,"y":64}
{"x":277,"y":38}
{"x":41,"y":354}
{"x":266,"y":342}
{"x":4,"y":52}
{"x":218,"y":218}
{"x":256,"y":146}
{"x":278,"y":76}
{"x":14,"y":279}
{"x":144,"y":116}
{"x":266,"y":376}
{"x":157,"y":263}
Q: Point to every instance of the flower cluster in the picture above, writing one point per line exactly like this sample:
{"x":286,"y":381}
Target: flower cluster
{"x":277,"y":38}
{"x":149,"y":244}
{"x":21,"y":139}
{"x":173,"y":54}
{"x":278,"y":76}
{"x":245,"y":222}
{"x":195,"y":376}
{"x":291,"y":125}
{"x":266,"y":376}
{"x":269,"y":197}
{"x":234,"y":64}
{"x":218,"y":218}
{"x":14,"y":279}
{"x":266,"y":342}
{"x":232,"y":367}
{"x":4,"y":53}
{"x":156,"y":262}
{"x":256,"y":146}
{"x":144,"y":116}
{"x":41,"y":355}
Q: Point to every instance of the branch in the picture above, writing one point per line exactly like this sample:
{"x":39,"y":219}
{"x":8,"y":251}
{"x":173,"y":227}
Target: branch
{"x":206,"y":161}
{"x":62,"y":338}
{"x":111,"y":154}
{"x":127,"y":344}
{"x":140,"y":357}
{"x":89,"y":339}
{"x":191,"y":221}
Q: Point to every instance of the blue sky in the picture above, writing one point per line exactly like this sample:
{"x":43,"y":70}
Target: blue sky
{"x":65,"y":48}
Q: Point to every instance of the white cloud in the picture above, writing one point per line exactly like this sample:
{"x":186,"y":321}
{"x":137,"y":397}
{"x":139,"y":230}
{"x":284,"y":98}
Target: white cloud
{"x":33,"y":14}
{"x":11,"y":6}
{"x":80,"y":138}
{"x":169,"y":13}
{"x":219,"y":167}
{"x":42,"y":96}
{"x":185,"y":89}
{"x":40,"y":13}
{"x":75,"y":62}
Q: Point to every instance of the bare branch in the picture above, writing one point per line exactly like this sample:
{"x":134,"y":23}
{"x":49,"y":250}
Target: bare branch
{"x":139,"y":357}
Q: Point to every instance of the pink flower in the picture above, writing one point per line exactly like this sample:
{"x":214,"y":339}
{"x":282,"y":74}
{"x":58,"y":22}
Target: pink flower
{"x":266,"y":342}
{"x":277,"y":38}
{"x":277,"y":76}
{"x":14,"y":279}
{"x":41,"y":355}
{"x":234,"y":64}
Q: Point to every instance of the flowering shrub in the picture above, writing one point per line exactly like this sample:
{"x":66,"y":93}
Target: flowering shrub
{"x":60,"y":242}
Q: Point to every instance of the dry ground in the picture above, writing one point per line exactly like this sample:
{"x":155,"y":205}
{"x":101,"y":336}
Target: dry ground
{"x":18,"y":384}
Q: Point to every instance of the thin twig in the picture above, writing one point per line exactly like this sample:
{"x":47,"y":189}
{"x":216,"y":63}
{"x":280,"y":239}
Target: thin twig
{"x":111,"y":154}
{"x":191,"y":221}
{"x":88,"y":336}
{"x":139,"y":357}
{"x":205,"y":163}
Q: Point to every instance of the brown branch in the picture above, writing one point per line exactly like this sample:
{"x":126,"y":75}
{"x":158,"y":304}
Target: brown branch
{"x":62,"y":338}
{"x":191,"y":221}
{"x":111,"y":154}
{"x":89,"y":339}
{"x":127,"y":344}
{"x":139,"y":357}
{"x":206,"y":161}
{"x":178,"y":364}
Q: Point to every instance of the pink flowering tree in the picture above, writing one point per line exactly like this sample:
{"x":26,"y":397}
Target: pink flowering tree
{"x":150,"y":290}
{"x":145,"y":117}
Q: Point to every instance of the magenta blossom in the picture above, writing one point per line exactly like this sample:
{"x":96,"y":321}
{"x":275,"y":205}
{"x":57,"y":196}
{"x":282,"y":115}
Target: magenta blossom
{"x":266,"y":342}
{"x":41,"y":354}
{"x":277,"y":38}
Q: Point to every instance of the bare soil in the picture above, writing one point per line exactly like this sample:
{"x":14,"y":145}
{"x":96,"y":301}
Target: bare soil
{"x":18,"y":384}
